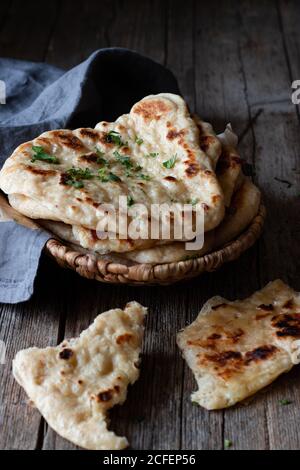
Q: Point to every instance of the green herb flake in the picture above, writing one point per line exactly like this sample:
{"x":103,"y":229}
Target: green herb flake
{"x":170,"y":163}
{"x":105,"y":176}
{"x":42,"y":155}
{"x":114,"y":137}
{"x":74,"y":177}
{"x":102,"y":175}
{"x":130,"y":200}
{"x":193,"y":201}
{"x":123,"y":159}
{"x":144,"y":177}
{"x":75,"y":184}
{"x":80,"y":173}
{"x":227,"y":443}
{"x":152,"y":155}
{"x":138,"y":140}
{"x":285,"y":401}
{"x":113,"y":177}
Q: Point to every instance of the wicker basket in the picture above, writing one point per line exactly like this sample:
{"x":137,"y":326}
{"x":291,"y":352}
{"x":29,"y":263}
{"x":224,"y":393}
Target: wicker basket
{"x":90,"y":267}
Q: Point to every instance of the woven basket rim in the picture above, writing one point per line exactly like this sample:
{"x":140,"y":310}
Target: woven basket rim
{"x":88,"y":266}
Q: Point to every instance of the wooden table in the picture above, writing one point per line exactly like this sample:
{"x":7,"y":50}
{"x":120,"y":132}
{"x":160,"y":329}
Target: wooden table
{"x":234,"y":61}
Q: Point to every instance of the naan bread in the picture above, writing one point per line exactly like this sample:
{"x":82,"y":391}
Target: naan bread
{"x":31,"y":208}
{"x":244,"y":207}
{"x":74,"y":384}
{"x":83,"y":236}
{"x":59,"y":229}
{"x":89,"y":239}
{"x":170,"y":253}
{"x":236,"y":348}
{"x":229,"y":165}
{"x":222,"y":150}
{"x":151,"y":155}
{"x":208,"y":141}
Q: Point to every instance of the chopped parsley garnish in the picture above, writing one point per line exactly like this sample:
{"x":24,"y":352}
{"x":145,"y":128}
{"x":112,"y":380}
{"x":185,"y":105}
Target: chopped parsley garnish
{"x":74,"y":177}
{"x":76,"y":184}
{"x":123,"y":159}
{"x":130,"y":200}
{"x":105,"y":176}
{"x":40,"y":154}
{"x":170,"y":163}
{"x":102,"y":175}
{"x":114,"y":137}
{"x":152,"y":154}
{"x":285,"y":401}
{"x":131,"y":168}
{"x":144,"y":177}
{"x":138,"y":140}
{"x":102,"y":161}
{"x":113,"y":177}
{"x":227,"y":443}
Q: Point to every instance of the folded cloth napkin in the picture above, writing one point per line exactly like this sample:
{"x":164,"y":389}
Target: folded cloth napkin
{"x":40,"y":97}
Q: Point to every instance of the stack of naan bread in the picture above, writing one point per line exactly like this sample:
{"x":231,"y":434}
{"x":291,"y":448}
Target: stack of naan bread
{"x":156,"y":154}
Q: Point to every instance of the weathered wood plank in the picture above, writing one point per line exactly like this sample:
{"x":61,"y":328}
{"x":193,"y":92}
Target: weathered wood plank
{"x":25,"y":34}
{"x":34,"y":323}
{"x":140,"y":26}
{"x":81,"y":28}
{"x":276,"y":134}
{"x":85,"y":27}
{"x":289,"y":20}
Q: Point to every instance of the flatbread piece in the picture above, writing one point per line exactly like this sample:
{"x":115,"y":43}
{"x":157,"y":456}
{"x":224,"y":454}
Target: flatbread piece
{"x":74,"y":384}
{"x":236,"y":348}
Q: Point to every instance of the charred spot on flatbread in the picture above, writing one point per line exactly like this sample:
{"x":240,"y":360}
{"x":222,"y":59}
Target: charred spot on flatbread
{"x":287,"y":325}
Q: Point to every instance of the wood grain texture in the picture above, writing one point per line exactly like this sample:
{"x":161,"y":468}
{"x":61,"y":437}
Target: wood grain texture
{"x":34,"y":323}
{"x":234,"y":62}
{"x":25,"y":34}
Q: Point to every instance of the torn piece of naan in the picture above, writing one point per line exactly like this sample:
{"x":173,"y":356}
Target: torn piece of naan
{"x":151,"y":156}
{"x":74,"y":384}
{"x":236,"y":348}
